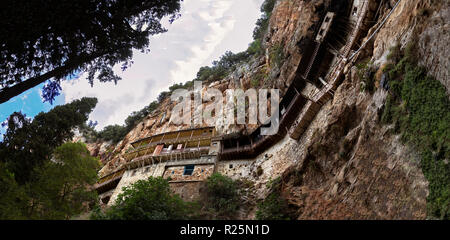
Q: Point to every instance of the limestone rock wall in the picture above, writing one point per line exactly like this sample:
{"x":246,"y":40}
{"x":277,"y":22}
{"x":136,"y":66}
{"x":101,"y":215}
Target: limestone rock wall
{"x":346,"y":165}
{"x":291,"y":26}
{"x":200,"y":173}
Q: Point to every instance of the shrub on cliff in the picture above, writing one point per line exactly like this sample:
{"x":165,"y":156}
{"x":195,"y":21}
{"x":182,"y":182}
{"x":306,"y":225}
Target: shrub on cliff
{"x":273,"y":207}
{"x":263,"y":22}
{"x":420,"y":111}
{"x":149,"y":199}
{"x":222,"y":195}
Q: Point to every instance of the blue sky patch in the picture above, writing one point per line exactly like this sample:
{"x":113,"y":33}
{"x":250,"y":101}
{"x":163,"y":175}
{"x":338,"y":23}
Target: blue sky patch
{"x":29,"y":102}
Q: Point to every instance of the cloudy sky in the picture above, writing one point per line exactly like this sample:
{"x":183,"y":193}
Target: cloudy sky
{"x":206,"y":29}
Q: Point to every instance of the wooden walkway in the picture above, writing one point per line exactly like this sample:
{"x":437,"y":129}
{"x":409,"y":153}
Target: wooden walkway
{"x":325,"y":94}
{"x":300,"y":110}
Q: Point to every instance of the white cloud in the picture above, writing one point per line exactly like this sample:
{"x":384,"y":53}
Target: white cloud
{"x":206,"y":29}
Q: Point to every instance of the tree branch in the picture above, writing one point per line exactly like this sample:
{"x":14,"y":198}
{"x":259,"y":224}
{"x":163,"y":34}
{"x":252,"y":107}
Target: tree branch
{"x":9,"y":92}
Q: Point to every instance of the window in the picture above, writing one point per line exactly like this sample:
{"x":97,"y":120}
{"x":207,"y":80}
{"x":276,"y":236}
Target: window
{"x":231,"y":166}
{"x":188,"y":170}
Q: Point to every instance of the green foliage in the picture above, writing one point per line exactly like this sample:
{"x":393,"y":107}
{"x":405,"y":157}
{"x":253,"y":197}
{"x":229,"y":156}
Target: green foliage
{"x":276,"y":55}
{"x":420,"y":111}
{"x":61,"y":187}
{"x":148,"y":200}
{"x":229,"y":60}
{"x":114,"y":133}
{"x":220,"y":68}
{"x":263,"y":22}
{"x":255,"y":82}
{"x":88,"y":132}
{"x":366,"y":74}
{"x":11,"y":194}
{"x":29,"y":143}
{"x":255,"y":48}
{"x":222,"y":195}
{"x":273,"y":207}
{"x":211,"y":74}
{"x":394,"y":53}
{"x":136,"y":117}
{"x":96,"y":36}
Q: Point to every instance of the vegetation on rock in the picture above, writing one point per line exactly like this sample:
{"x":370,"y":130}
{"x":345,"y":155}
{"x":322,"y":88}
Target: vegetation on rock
{"x":222,"y":196}
{"x":419,"y":110}
{"x":149,"y":199}
{"x":273,"y":207}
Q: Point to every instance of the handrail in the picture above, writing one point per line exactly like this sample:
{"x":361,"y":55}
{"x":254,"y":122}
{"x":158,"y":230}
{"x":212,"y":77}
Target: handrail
{"x":376,"y":31}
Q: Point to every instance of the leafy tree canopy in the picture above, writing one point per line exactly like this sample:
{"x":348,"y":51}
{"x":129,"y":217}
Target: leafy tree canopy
{"x":61,"y":188}
{"x":51,"y":39}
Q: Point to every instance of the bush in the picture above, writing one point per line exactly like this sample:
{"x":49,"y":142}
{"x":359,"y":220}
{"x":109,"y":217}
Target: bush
{"x":263,"y":22}
{"x":113,"y":133}
{"x":222,"y":195}
{"x":272,"y":208}
{"x":276,"y":55}
{"x":151,"y":199}
{"x":420,"y":111}
{"x":255,"y":48}
{"x":10,"y":193}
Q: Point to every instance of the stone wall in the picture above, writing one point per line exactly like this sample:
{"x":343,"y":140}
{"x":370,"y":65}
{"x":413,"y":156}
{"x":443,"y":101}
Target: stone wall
{"x":200,"y":173}
{"x":174,"y":170}
{"x":134,"y":175}
{"x":235,"y":169}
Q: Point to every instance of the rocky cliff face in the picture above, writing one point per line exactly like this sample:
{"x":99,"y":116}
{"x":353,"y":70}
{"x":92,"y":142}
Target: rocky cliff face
{"x":351,"y":166}
{"x":347,"y":164}
{"x":291,"y":25}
